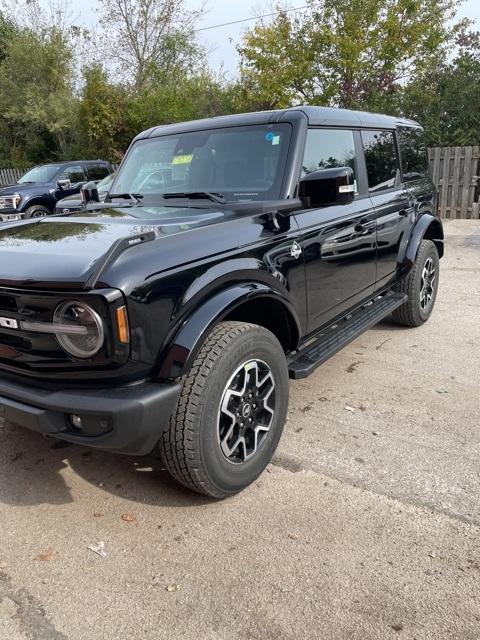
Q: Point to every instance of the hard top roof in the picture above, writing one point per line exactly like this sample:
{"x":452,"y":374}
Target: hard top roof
{"x":62,"y":163}
{"x":316,"y":116}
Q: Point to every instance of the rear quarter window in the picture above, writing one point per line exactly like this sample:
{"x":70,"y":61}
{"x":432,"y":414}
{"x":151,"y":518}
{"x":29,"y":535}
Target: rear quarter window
{"x":381,"y":159}
{"x":413,"y":153}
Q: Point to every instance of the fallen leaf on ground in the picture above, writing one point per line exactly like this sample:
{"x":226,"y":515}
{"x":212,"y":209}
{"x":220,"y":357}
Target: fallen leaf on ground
{"x":97,"y":514}
{"x":293,"y":536}
{"x":46,"y":556}
{"x":128,"y":517}
{"x":172,"y":588}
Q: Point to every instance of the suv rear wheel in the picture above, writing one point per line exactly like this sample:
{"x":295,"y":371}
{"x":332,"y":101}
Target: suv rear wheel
{"x":421,"y":287}
{"x":231,"y":411}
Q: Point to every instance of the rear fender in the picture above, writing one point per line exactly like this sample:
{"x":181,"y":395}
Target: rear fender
{"x":428,"y":227}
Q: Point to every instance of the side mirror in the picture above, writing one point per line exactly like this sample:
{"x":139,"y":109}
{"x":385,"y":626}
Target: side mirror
{"x":89,"y":193}
{"x":64,"y":184}
{"x":327,"y":187}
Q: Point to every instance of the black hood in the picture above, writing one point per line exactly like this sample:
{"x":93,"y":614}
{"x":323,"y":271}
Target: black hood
{"x":22,"y":188}
{"x":64,"y":251}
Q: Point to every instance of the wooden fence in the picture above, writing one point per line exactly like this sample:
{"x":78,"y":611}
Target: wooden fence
{"x":10,"y":176}
{"x":454,"y":170}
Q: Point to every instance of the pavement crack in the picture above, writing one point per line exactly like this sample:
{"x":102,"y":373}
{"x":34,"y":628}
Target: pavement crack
{"x":29,"y":612}
{"x":296,"y":465}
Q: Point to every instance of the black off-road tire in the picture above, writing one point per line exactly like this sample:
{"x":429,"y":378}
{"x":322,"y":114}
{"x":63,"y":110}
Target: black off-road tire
{"x":191,"y":447}
{"x":37,"y":211}
{"x":411,"y":314}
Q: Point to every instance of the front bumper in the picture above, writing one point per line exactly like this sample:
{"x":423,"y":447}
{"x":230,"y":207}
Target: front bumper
{"x":10,"y":215}
{"x":127,"y":419}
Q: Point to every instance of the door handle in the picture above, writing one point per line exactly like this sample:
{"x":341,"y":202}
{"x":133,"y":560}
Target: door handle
{"x":364,"y":227}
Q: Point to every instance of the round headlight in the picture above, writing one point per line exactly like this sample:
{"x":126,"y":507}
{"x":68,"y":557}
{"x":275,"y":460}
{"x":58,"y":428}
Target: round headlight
{"x":81,"y":333}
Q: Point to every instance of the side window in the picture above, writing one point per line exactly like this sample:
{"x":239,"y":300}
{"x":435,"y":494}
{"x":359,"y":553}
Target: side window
{"x":329,"y":148}
{"x":381,"y":159}
{"x":413,"y":153}
{"x":97,"y":171}
{"x":74,"y":174}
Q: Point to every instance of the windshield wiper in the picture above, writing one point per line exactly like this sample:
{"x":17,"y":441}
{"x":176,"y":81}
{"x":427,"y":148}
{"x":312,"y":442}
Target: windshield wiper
{"x":126,"y":196}
{"x":196,"y":195}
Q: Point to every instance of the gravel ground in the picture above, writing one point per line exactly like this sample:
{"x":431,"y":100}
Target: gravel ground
{"x":366,"y":526}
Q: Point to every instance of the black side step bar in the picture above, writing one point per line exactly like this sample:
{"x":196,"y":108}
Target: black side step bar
{"x":342,"y":333}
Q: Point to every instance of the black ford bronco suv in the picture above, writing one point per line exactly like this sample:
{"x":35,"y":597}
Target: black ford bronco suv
{"x":230,"y":254}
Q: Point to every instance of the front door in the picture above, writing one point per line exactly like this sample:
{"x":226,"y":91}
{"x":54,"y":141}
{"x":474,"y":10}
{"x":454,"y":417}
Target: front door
{"x":75,"y":174}
{"x":339,"y":242}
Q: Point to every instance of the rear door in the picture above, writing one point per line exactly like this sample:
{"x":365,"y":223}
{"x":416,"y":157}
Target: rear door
{"x":392,"y":200}
{"x":339,"y":241}
{"x":96,"y":171}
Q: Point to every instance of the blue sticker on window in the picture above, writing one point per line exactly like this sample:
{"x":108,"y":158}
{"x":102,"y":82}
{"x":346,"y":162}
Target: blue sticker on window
{"x":269,"y":136}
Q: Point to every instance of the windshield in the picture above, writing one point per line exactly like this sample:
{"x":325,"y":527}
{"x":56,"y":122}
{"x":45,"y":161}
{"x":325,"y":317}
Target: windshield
{"x":46,"y":173}
{"x":240,"y":163}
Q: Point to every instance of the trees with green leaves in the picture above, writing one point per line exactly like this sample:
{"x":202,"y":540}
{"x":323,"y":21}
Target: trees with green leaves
{"x":38,"y":110}
{"x":446,"y":98}
{"x":145,"y":36}
{"x":404,"y":57}
{"x":103,"y":126}
{"x":350,"y":53}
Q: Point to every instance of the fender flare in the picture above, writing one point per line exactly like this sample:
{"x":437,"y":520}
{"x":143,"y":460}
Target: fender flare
{"x":428,"y":226}
{"x":40,"y":200}
{"x":183,"y":344}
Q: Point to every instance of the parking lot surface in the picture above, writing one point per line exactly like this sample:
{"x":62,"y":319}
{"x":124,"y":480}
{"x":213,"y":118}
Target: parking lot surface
{"x":366,"y":526}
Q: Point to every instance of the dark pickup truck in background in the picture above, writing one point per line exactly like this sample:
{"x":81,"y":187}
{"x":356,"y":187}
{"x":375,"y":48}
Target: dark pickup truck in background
{"x":35,"y":195}
{"x":229,"y":255}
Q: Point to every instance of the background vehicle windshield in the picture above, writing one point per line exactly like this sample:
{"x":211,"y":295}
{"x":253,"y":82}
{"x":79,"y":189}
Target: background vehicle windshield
{"x":40,"y":174}
{"x":241,"y":163}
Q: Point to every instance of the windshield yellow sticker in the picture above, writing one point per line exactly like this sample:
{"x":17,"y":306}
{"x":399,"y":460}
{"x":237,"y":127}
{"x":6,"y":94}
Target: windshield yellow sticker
{"x":182,"y":159}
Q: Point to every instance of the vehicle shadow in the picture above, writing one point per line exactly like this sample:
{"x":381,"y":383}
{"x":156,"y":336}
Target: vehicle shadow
{"x":35,"y":470}
{"x":389,"y":323}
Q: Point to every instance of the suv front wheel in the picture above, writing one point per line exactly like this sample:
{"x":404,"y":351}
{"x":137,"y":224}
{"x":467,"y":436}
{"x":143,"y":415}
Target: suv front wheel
{"x":231,"y":411}
{"x":37,"y":211}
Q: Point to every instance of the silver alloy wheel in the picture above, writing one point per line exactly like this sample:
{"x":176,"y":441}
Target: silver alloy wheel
{"x":246,"y":411}
{"x":39,"y":214}
{"x":427,"y":284}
